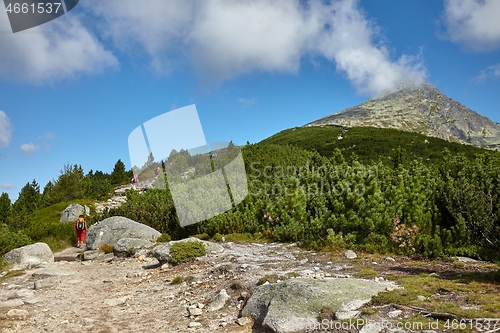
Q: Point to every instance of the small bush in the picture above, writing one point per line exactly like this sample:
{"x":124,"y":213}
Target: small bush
{"x":203,"y":236}
{"x":164,"y":238}
{"x":183,"y":251}
{"x":176,"y":280}
{"x":10,"y":240}
{"x":106,"y":248}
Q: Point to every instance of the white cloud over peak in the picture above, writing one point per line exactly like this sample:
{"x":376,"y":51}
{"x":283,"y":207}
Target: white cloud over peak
{"x":223,"y":39}
{"x":473,"y":23}
{"x":5,"y":130}
{"x":56,"y":50}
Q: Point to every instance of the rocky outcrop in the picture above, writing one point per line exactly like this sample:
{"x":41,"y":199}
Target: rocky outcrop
{"x":71,"y":213}
{"x":423,"y":110}
{"x":33,"y":254}
{"x":294,"y":305}
{"x":111,"y":230}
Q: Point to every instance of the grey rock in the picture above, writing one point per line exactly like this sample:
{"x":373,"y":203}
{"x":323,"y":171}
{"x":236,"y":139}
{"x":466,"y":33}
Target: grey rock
{"x":111,"y":230}
{"x":104,"y":257}
{"x":23,"y":293}
{"x":45,"y":283}
{"x":71,"y":213}
{"x":350,"y":254}
{"x":194,"y":324}
{"x":421,"y":298}
{"x":243,"y":321}
{"x":116,"y":301}
{"x":293,"y":305}
{"x":129,"y":246}
{"x":467,"y":260}
{"x":17,"y":314}
{"x":90,"y":255}
{"x":219,"y":301}
{"x":33,"y":254}
{"x":394,"y":314}
{"x":162,"y":252}
{"x":11,"y":303}
{"x":194,"y":311}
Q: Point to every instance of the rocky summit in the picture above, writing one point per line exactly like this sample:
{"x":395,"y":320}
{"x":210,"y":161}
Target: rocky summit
{"x":423,"y":109}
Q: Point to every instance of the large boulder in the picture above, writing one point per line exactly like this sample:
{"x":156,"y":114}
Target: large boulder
{"x":162,"y":252}
{"x":111,"y":230}
{"x":294,"y":305}
{"x":33,"y":254}
{"x":71,"y":213}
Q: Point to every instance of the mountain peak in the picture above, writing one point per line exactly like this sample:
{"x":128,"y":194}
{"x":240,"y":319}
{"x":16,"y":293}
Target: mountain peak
{"x":422,"y":109}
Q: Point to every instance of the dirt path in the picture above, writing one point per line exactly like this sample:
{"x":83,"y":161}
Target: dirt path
{"x":137,"y":295}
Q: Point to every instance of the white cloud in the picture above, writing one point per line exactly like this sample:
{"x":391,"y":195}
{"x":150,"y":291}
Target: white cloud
{"x":5,"y":130}
{"x":473,"y":23}
{"x":490,"y":72}
{"x":7,"y":186}
{"x":56,"y":50}
{"x":224,"y":39}
{"x":247,"y":101}
{"x":29,"y":148}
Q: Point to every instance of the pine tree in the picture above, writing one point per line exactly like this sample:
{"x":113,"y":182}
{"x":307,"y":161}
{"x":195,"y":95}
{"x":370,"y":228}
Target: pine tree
{"x":5,"y":206}
{"x":119,"y":175}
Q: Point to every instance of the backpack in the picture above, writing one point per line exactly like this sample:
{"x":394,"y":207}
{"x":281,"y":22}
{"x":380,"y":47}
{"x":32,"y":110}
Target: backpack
{"x":80,"y":225}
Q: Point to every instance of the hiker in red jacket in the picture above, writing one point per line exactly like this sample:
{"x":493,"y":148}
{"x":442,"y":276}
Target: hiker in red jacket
{"x":81,"y":230}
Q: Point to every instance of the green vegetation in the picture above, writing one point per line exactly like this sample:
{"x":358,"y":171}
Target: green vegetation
{"x":376,"y":190}
{"x":184,"y":251}
{"x":479,"y":290}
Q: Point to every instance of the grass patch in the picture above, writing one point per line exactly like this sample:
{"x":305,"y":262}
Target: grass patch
{"x":12,"y":274}
{"x":164,"y":238}
{"x":271,"y":278}
{"x":368,"y":273}
{"x":179,"y":279}
{"x":184,"y":251}
{"x":327,"y":313}
{"x":478,"y":292}
{"x":106,"y":248}
{"x":239,"y":238}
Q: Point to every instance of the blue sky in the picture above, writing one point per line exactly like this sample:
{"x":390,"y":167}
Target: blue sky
{"x":73,"y":89}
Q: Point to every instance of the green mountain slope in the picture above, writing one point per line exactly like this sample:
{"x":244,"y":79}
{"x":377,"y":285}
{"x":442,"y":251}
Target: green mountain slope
{"x":368,"y":143}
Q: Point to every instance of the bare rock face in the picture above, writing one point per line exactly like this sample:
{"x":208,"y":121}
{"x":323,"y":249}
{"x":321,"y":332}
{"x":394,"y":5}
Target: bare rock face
{"x":423,"y":110}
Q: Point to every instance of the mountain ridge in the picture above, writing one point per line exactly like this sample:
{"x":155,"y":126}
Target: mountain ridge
{"x":422,"y":109}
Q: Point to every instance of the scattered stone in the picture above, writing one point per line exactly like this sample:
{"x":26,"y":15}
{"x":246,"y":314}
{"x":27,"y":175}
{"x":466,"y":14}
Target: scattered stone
{"x":11,"y":303}
{"x":116,"y":301}
{"x":194,"y":311}
{"x":394,"y":314}
{"x":467,"y":260}
{"x":17,"y":314}
{"x":421,"y":298}
{"x":52,"y":272}
{"x":90,"y":255}
{"x":23,"y":293}
{"x":349,"y":254}
{"x":39,"y":284}
{"x":390,"y":259}
{"x":31,"y":255}
{"x":194,"y":324}
{"x":219,"y":301}
{"x":104,"y":257}
{"x":243,"y":321}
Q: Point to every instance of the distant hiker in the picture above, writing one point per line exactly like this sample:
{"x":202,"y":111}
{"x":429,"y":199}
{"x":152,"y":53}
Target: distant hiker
{"x":81,"y":230}
{"x":135,"y":181}
{"x":157,"y":171}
